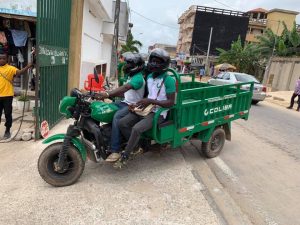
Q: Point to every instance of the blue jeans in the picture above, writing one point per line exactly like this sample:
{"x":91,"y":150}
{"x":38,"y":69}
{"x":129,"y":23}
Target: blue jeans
{"x":115,"y":132}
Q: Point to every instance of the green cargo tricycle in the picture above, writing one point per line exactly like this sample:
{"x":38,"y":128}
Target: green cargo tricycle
{"x":202,"y":111}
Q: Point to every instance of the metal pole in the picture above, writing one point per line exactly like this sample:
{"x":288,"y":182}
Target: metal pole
{"x":266,"y":75}
{"x":115,"y":42}
{"x":208,"y":49}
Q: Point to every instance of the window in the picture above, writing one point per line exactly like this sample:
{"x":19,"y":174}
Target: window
{"x":245,"y":78}
{"x":226,"y":76}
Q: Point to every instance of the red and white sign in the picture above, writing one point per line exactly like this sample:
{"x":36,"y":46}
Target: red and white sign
{"x":44,"y":129}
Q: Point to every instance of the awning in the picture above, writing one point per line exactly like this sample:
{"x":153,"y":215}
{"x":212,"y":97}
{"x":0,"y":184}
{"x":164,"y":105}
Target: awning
{"x":11,"y":16}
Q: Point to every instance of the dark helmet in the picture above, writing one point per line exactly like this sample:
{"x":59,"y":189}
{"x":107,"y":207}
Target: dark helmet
{"x":134,"y":63}
{"x":161,"y":63}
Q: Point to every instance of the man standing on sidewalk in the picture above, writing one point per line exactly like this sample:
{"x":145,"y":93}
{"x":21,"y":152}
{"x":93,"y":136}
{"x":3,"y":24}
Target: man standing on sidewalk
{"x":7,"y":74}
{"x":295,"y":94}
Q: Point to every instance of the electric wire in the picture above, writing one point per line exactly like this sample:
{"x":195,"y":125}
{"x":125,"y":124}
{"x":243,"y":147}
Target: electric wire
{"x":153,"y":21}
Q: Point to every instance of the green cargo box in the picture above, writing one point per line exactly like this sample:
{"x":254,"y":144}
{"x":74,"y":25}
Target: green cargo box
{"x":200,"y":109}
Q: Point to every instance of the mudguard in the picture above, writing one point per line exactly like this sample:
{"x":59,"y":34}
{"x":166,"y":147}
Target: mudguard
{"x":76,"y":142}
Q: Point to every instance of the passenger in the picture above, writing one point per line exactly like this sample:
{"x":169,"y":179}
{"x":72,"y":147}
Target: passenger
{"x":161,"y":88}
{"x":133,"y":91}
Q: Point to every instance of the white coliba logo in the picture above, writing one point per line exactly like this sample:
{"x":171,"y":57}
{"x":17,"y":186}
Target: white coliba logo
{"x":217,"y":109}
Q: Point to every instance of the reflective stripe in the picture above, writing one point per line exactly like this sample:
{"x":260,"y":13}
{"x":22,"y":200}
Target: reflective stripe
{"x":228,"y":117}
{"x":207,"y":123}
{"x":243,"y":112}
{"x":186,"y":129}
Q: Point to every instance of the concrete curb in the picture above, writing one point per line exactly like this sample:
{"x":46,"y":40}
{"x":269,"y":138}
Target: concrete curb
{"x":224,"y":206}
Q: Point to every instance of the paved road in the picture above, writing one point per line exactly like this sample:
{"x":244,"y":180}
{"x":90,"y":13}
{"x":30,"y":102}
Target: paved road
{"x":153,"y":189}
{"x":260,"y":167}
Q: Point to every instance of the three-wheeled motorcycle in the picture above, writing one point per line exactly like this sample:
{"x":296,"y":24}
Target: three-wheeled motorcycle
{"x":202,"y":111}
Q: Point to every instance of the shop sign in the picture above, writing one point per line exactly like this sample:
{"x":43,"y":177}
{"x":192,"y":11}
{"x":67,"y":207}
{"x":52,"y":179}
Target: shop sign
{"x":20,"y":7}
{"x":53,"y":56}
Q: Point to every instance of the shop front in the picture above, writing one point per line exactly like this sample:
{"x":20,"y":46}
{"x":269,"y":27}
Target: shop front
{"x":18,"y":38}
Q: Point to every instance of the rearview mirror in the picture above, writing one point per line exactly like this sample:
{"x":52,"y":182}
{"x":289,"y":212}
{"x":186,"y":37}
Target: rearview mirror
{"x":96,"y":75}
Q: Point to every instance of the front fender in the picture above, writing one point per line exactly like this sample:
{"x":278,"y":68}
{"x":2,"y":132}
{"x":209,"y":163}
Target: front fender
{"x":75,"y":141}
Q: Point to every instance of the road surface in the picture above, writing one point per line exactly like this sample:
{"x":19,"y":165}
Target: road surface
{"x":260,"y":167}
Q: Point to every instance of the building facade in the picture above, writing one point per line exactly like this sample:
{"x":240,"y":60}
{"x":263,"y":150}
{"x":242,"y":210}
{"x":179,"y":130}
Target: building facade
{"x":198,"y":22}
{"x":171,"y":49}
{"x":91,"y":41}
{"x":257,"y":24}
{"x":186,"y":25}
{"x":260,"y":19}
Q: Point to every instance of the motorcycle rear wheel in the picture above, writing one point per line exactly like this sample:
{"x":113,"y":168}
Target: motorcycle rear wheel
{"x":73,"y":168}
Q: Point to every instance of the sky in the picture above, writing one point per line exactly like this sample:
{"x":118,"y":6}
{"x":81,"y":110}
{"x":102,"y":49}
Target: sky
{"x":167,"y":12}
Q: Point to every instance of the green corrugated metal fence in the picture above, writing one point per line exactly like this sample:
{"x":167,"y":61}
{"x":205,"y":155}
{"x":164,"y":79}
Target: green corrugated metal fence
{"x":53,"y":34}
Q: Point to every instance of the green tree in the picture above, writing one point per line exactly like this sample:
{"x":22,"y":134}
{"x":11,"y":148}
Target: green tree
{"x":267,"y":42}
{"x":294,"y":40}
{"x":131,"y":44}
{"x":287,"y":44}
{"x":244,"y":58}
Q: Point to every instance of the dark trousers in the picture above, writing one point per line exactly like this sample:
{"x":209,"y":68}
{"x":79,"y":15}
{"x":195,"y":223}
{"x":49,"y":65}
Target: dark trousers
{"x":132,"y":126}
{"x":6,"y":105}
{"x":293,"y":100}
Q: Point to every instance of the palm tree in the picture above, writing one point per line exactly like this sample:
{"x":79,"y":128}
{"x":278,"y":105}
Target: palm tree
{"x":131,"y":44}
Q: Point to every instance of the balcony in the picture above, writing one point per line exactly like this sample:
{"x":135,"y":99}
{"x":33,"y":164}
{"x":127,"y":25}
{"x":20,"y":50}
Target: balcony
{"x":258,"y":22}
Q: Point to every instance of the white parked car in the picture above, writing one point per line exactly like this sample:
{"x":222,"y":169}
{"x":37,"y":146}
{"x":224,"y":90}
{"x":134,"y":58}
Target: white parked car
{"x":259,"y":92}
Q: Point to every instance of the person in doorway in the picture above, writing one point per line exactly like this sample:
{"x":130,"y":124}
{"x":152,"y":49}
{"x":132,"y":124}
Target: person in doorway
{"x":132,"y":91}
{"x":295,"y":94}
{"x":7,"y":74}
{"x":161,"y":93}
{"x":202,"y":72}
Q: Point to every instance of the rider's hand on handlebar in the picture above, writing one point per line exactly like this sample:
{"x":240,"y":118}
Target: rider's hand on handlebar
{"x":102,"y":95}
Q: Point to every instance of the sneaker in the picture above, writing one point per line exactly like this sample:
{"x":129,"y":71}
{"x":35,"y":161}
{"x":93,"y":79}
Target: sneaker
{"x":121,"y":162}
{"x":289,"y":107}
{"x":6,"y":135}
{"x":113,"y":157}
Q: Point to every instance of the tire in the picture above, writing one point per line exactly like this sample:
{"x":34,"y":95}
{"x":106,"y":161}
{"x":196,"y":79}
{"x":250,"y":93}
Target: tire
{"x":254,"y":102}
{"x":215,"y":144}
{"x":59,"y":179}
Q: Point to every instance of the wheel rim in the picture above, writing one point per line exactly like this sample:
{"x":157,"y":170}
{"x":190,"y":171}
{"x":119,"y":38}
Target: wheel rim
{"x":67,"y":168}
{"x":216,"y":143}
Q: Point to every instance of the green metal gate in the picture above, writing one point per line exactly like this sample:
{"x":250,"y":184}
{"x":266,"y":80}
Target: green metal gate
{"x":53,"y":34}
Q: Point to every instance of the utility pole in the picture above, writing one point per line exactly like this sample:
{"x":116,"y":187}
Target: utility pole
{"x":114,"y":56}
{"x":266,"y":75}
{"x":208,"y":50}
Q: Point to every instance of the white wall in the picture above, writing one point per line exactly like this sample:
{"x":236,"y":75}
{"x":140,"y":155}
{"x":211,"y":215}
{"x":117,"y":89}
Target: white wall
{"x":285,"y":72}
{"x":94,"y":48}
{"x":107,"y":4}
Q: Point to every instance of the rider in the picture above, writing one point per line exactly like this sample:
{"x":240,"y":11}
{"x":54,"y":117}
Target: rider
{"x":132,"y":91}
{"x":161,"y":88}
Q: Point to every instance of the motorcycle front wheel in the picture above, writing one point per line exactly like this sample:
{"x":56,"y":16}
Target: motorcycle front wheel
{"x":72,"y":169}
